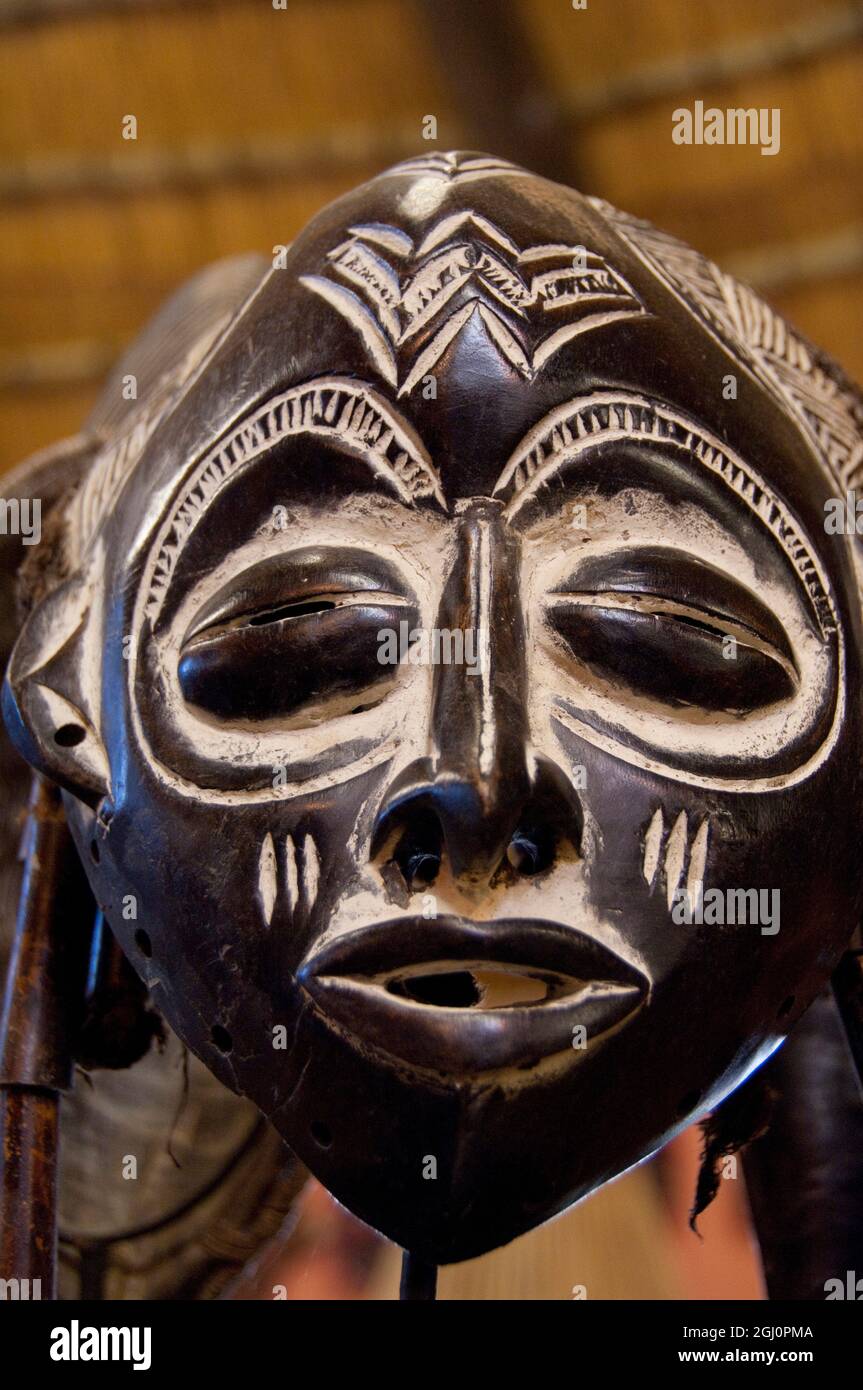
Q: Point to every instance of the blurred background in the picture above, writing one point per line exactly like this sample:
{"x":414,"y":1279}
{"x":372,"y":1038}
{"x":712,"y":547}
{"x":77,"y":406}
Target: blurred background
{"x":250,"y":115}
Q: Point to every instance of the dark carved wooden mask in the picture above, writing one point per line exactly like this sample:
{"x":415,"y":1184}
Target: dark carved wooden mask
{"x":456,"y":688}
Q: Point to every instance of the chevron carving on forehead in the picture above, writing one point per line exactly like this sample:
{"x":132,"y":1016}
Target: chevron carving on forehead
{"x":409,"y":299}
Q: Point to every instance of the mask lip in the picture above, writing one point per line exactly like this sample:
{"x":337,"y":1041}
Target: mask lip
{"x":529,"y":942}
{"x":349,"y":979}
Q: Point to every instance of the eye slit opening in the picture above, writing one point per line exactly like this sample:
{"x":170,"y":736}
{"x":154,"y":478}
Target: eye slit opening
{"x":707,"y":621}
{"x":713,"y":627}
{"x":290,"y":610}
{"x":243,"y":610}
{"x":682,"y":584}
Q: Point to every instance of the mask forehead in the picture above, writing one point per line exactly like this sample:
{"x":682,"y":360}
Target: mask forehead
{"x":437,"y":290}
{"x":475,"y":297}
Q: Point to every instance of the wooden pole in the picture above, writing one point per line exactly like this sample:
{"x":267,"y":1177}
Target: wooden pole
{"x":41,"y":1012}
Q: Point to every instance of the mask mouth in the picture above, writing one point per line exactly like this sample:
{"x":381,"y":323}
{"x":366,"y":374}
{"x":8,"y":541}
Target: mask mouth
{"x":462,"y":997}
{"x":478,"y":985}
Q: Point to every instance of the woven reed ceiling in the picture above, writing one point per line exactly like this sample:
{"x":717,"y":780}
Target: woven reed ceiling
{"x":250,"y":117}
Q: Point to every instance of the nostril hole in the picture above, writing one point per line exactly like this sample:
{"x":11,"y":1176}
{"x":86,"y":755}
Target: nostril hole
{"x":143,"y":942}
{"x":222,"y":1038}
{"x":530,"y":851}
{"x":418,"y":852}
{"x":321,"y":1134}
{"x":421,"y":869}
{"x":95,"y":853}
{"x":522,"y":855}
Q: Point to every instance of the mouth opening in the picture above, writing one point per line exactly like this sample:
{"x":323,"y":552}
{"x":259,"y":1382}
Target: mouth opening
{"x":456,"y":985}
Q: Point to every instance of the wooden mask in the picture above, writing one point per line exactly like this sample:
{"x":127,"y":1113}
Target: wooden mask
{"x":456,"y":689}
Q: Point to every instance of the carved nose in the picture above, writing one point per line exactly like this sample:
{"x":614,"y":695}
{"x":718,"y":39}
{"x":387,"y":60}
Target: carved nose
{"x":470,"y":798}
{"x":441,"y":818}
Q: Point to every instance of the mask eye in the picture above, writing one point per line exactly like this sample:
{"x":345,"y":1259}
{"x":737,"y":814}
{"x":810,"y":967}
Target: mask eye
{"x":291,"y":610}
{"x":674,"y":630}
{"x":298,"y":636}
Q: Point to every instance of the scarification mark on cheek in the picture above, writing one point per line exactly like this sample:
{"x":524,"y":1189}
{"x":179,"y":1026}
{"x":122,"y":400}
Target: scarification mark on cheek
{"x":669,"y":860}
{"x":698,"y":860}
{"x":301,"y":871}
{"x":291,"y":880}
{"x":311,"y":871}
{"x":652,"y":846}
{"x":675,"y":852}
{"x":267,"y":880}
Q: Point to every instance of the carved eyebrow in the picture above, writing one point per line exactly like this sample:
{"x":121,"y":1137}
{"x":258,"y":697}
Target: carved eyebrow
{"x":338,"y":410}
{"x":580,"y":425}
